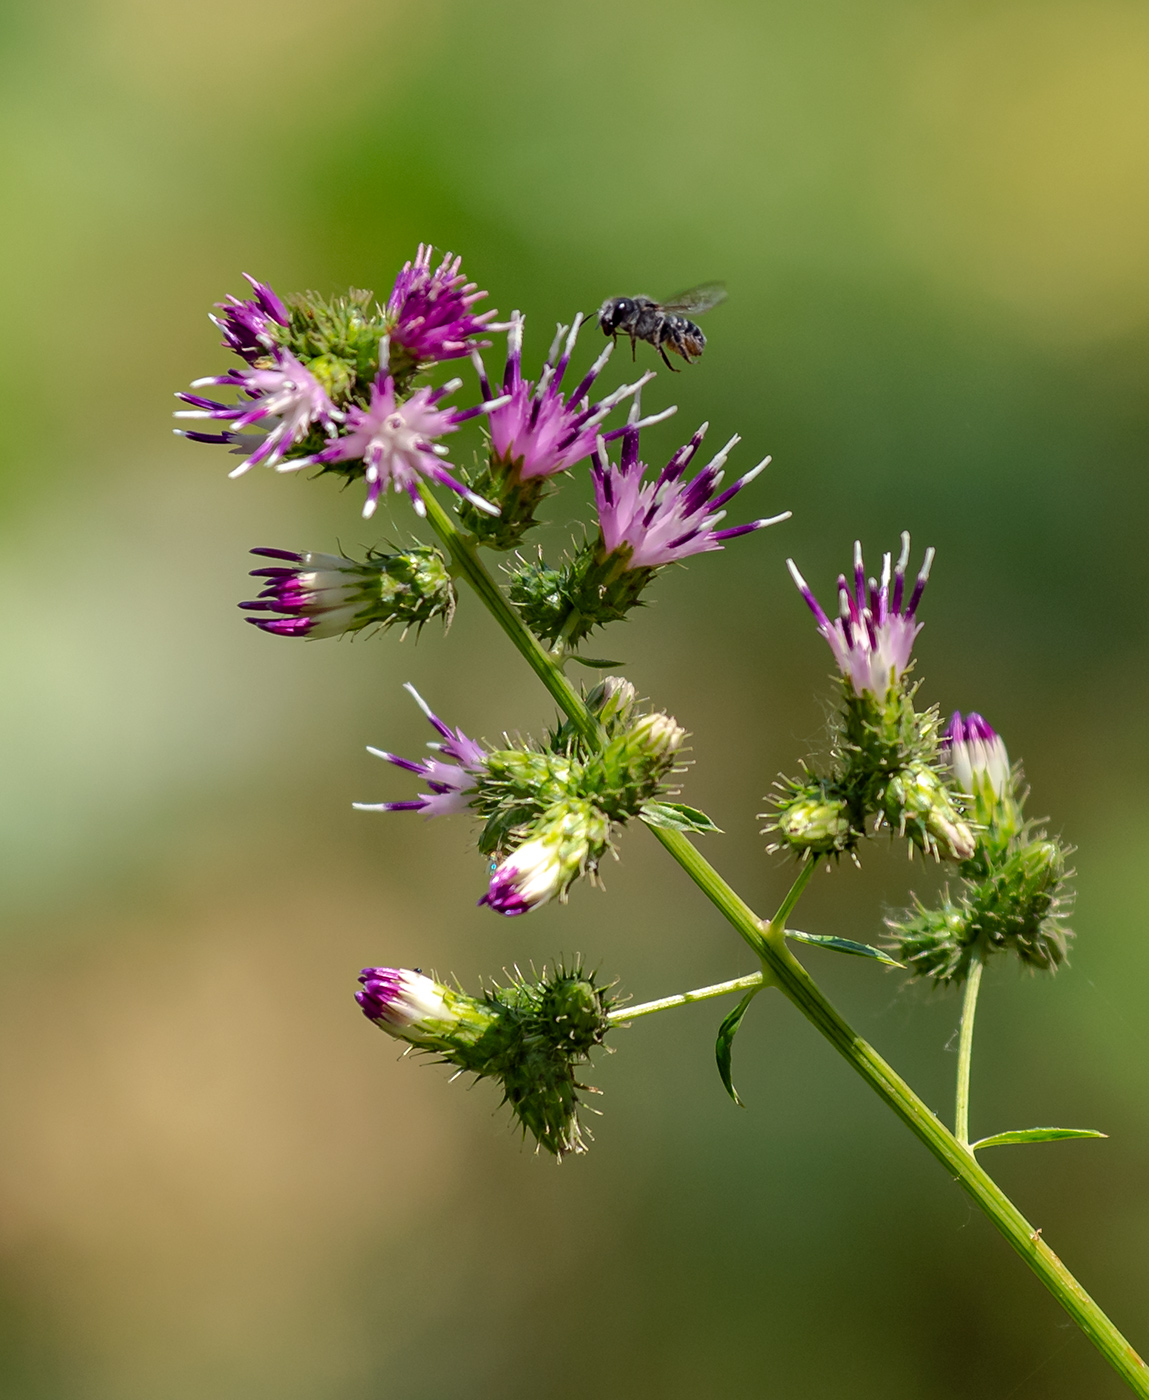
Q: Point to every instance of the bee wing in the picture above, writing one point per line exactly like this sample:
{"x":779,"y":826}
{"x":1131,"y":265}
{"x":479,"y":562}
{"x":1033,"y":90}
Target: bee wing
{"x":697,"y":299}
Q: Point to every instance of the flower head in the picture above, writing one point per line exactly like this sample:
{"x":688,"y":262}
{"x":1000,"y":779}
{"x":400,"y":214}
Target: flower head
{"x":529,"y":1036}
{"x":537,"y":429}
{"x":327,"y":595}
{"x":567,"y":842}
{"x":452,"y":775}
{"x":873,"y":638}
{"x":429,"y":313}
{"x":406,"y":1004}
{"x":283,"y":403}
{"x":247,"y":325}
{"x":396,"y":440}
{"x":660,"y":521}
{"x":976,"y":753}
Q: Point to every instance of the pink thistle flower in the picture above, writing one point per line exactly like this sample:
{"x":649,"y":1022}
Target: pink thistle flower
{"x":665,"y":519}
{"x":247,"y":325}
{"x":537,"y":429}
{"x":284,"y":401}
{"x":429,"y":313}
{"x":873,"y":638}
{"x":452,"y":775}
{"x":396,"y":441}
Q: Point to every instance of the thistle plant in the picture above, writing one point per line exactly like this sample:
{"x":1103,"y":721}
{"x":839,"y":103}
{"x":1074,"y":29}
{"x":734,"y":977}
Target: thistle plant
{"x":350,"y":386}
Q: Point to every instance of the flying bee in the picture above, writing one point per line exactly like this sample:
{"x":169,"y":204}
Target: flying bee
{"x":662,"y":324}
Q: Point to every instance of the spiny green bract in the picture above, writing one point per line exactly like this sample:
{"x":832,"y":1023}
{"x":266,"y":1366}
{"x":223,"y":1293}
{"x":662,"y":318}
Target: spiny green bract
{"x":540,"y":1031}
{"x":1018,"y":905}
{"x":884,"y":765}
{"x":412,"y":587}
{"x":337,"y":340}
{"x":499,"y":482}
{"x":591,"y":589}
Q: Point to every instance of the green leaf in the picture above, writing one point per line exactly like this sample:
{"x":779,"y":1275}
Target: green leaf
{"x":843,"y":945}
{"x":594,"y":662}
{"x":676,"y":816}
{"x":724,"y":1046}
{"x":1035,"y":1135}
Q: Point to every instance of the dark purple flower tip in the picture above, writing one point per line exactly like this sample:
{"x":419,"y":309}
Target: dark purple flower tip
{"x":973,"y":729}
{"x":381,"y":989}
{"x":283,"y":626}
{"x":194,"y":436}
{"x":506,"y":901}
{"x":287,"y":554}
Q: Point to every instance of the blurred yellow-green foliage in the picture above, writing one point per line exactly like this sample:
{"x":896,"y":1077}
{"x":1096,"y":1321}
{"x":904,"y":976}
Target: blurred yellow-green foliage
{"x":215,"y":1179}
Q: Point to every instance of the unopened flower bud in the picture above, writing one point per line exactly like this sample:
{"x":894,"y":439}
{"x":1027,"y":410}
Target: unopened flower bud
{"x":656,"y":736}
{"x":1018,"y":907}
{"x":981,"y":768}
{"x":568,"y":842}
{"x":814,"y":823}
{"x":977,"y":755}
{"x":917,"y":804}
{"x":529,"y":1036}
{"x":612,"y":700}
{"x":413,"y":1007}
{"x":326,"y":595}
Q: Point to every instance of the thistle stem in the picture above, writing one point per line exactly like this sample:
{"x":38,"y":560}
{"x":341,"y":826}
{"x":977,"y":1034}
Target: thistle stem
{"x":561,"y":649}
{"x":719,"y":989}
{"x":780,"y":966}
{"x":965,"y":1051}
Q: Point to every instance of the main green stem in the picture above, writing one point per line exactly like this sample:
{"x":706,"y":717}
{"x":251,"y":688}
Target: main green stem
{"x":780,"y":966}
{"x":965,"y":1051}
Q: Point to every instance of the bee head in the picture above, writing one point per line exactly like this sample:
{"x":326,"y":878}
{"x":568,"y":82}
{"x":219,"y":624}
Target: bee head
{"x":615,"y":313}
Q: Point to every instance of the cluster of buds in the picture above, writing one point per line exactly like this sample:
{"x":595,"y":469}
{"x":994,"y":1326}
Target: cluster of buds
{"x":1012,"y":896}
{"x":550,"y":812}
{"x":329,"y":595}
{"x":530,"y":1035}
{"x":887,"y":765}
{"x":644,"y":524}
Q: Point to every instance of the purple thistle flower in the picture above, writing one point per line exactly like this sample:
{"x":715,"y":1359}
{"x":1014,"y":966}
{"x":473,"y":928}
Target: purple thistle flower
{"x":451,"y":783}
{"x":246,"y":325}
{"x":537,"y":429}
{"x":289,"y":395}
{"x":873,"y":638}
{"x":977,"y":755}
{"x":666,"y":519}
{"x":404,"y":1002}
{"x":429,"y":313}
{"x":396,"y":441}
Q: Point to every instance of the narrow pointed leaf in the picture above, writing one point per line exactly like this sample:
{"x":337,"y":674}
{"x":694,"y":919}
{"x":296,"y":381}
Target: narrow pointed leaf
{"x":1035,"y":1135}
{"x":677,"y":816}
{"x":596,"y":663}
{"x":724,"y":1046}
{"x":844,"y":945}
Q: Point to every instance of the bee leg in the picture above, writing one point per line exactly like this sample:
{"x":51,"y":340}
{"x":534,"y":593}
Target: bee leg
{"x":633,"y":354}
{"x":665,"y":361}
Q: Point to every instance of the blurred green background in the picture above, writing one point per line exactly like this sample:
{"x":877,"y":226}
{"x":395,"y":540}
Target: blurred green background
{"x":215,"y":1178}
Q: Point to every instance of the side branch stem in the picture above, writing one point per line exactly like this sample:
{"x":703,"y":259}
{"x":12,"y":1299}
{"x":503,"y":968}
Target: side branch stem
{"x":719,"y":989}
{"x":965,"y":1051}
{"x":780,"y":965}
